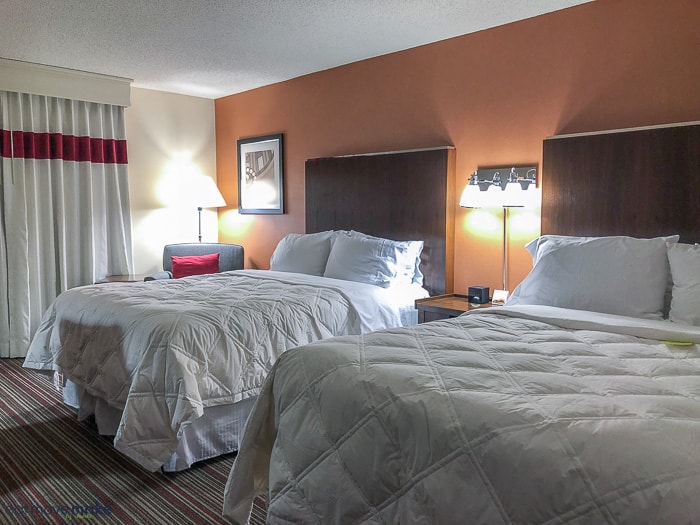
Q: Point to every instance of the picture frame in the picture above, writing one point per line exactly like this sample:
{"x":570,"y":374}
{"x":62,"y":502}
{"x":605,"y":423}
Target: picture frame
{"x":261,"y":175}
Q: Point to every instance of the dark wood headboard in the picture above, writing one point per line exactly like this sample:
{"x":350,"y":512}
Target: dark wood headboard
{"x":407,"y":195}
{"x":643,"y":182}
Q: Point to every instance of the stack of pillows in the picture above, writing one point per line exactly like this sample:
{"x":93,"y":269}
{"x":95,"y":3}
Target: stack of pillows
{"x":350,"y":256}
{"x":647,"y":278}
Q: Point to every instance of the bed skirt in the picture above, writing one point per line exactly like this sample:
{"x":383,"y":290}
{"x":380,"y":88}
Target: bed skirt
{"x":217,"y":432}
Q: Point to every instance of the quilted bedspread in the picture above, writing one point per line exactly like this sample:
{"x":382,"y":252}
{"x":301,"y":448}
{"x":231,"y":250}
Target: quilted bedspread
{"x":161,"y":351}
{"x":511,"y":415}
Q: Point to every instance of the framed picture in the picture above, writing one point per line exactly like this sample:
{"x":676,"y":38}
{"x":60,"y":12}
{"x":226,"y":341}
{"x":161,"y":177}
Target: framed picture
{"x":260,"y":175}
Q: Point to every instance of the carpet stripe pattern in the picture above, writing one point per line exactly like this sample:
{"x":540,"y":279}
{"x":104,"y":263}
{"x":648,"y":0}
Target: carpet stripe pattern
{"x":56,"y":469}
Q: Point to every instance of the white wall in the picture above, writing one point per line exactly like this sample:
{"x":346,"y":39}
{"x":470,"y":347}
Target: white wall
{"x":169,"y":137}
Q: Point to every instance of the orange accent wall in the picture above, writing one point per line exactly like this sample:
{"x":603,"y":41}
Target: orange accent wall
{"x":495,"y":95}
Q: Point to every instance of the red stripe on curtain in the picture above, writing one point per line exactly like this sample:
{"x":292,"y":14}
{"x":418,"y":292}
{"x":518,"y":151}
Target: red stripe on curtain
{"x":30,"y":145}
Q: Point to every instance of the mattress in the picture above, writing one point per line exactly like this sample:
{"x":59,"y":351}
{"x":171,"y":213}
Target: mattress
{"x":503,"y":415}
{"x":161,"y":352}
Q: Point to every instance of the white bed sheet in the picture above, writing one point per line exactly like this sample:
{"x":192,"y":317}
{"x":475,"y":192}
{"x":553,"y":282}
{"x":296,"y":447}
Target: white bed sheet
{"x":161,"y":352}
{"x":523,"y":414}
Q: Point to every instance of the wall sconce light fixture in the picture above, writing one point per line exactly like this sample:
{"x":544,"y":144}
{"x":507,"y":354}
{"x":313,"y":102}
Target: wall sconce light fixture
{"x":487,"y":188}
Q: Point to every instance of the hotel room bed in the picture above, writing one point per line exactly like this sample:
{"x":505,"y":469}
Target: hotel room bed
{"x":525,"y":414}
{"x":171,"y":368}
{"x":588,"y":412}
{"x":162,"y":352}
{"x":578,"y":402}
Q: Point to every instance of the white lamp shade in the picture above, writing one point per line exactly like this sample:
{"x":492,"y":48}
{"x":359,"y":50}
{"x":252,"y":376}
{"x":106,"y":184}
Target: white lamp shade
{"x":206,"y":194}
{"x":470,"y":197}
{"x":474,"y":197}
{"x":513,"y":196}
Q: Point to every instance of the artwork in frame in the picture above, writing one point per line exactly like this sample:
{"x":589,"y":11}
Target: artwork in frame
{"x":260,"y":175}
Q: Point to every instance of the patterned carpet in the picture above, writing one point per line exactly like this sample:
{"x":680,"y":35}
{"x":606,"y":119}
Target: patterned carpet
{"x":55,"y":469}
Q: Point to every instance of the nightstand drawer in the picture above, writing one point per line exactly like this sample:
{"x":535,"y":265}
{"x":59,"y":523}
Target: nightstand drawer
{"x":444,"y":307}
{"x":425,"y":316}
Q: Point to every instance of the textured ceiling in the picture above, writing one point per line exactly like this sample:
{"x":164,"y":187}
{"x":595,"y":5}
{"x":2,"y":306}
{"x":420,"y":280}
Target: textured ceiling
{"x":214,"y":48}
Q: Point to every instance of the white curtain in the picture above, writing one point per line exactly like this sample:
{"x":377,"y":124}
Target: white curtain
{"x":64,"y":205}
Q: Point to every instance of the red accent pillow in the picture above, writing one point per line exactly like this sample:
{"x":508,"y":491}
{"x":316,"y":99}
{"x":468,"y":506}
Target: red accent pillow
{"x":195,"y":265}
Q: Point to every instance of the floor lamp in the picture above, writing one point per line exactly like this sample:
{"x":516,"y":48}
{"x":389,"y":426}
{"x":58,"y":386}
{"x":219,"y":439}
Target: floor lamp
{"x":207,"y":196}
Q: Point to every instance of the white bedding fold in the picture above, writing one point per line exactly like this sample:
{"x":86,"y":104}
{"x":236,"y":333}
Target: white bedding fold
{"x":377,"y":307}
{"x":658,"y":330}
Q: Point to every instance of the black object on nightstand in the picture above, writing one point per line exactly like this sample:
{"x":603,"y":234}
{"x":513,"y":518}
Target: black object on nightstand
{"x":479,"y":294}
{"x":444,"y":307}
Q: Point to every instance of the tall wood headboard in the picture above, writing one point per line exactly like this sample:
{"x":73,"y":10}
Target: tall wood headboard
{"x":407,"y":195}
{"x":642,"y":182}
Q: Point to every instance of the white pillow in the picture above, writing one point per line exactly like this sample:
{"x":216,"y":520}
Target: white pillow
{"x":616,"y":275}
{"x":533,"y":245}
{"x":302,"y":253}
{"x":685,"y":271}
{"x":408,"y":255}
{"x":369,"y":260}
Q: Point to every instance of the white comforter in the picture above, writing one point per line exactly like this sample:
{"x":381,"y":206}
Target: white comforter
{"x":511,"y":415}
{"x":161,"y":351}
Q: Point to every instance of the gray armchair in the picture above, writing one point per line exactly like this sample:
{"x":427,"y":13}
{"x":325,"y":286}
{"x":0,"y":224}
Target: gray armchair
{"x":230,"y":256}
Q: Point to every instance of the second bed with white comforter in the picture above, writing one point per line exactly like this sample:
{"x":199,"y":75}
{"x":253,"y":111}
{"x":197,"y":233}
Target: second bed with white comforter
{"x":527,"y":414}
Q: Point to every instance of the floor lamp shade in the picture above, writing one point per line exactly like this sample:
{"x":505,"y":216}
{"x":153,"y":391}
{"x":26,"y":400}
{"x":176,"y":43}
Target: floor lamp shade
{"x":206,"y":195}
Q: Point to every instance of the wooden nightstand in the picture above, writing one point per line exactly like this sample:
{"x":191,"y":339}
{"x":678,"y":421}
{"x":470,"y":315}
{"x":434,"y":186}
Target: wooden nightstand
{"x":444,"y":307}
{"x":121,"y":279}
